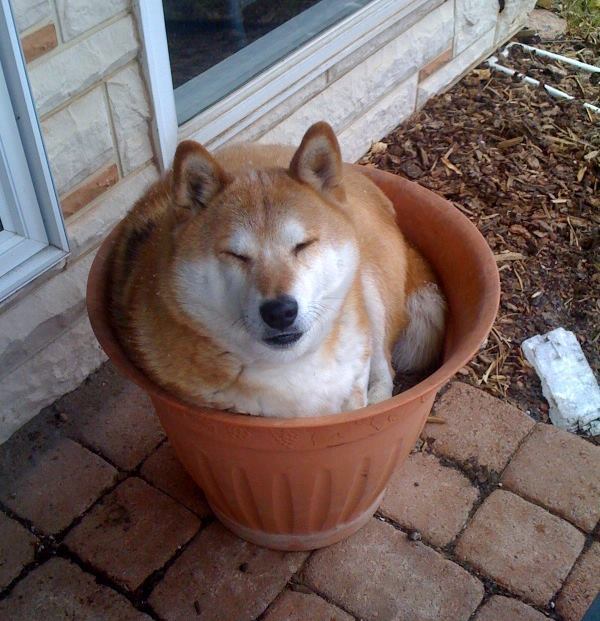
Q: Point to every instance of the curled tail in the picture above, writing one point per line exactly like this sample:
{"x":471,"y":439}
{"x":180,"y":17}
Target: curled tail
{"x":419,"y":346}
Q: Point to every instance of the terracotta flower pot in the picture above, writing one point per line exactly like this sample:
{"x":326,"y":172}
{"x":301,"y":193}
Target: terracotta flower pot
{"x":298,"y":484}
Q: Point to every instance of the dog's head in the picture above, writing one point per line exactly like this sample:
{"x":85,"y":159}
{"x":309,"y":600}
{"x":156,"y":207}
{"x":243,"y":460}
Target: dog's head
{"x":268,"y":256}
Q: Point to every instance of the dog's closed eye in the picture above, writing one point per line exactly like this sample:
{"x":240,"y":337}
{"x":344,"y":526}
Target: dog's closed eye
{"x":242,"y":258}
{"x":298,"y":248}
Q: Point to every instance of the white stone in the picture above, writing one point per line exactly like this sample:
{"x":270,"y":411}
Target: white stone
{"x":568,"y":382}
{"x":131,"y":117}
{"x":57,"y":78}
{"x":78,"y":140}
{"x":77,"y":16}
{"x":512,"y":18}
{"x":473,"y":19}
{"x":453,"y":70}
{"x":30,"y":12}
{"x":60,"y":368}
{"x":358,"y":90}
{"x":39,"y":318}
{"x":89,"y":227}
{"x":379,"y":120}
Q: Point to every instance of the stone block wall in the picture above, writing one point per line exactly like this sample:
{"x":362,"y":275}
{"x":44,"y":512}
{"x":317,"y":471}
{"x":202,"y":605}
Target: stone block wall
{"x":84,"y":70}
{"x":89,"y":92}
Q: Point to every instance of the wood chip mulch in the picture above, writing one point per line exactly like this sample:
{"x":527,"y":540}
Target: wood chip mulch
{"x":525,"y":168}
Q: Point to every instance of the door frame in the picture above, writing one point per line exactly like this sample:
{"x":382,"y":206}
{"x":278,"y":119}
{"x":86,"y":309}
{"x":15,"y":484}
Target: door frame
{"x":34,"y":236}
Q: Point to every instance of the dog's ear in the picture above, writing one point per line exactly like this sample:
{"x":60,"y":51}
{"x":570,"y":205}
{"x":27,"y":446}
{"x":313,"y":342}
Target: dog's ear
{"x":197,"y":176}
{"x":318,"y":161}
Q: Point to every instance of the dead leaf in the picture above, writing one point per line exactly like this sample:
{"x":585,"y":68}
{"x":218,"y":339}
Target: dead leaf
{"x":509,"y":256}
{"x":511,"y":142}
{"x":448,"y":164}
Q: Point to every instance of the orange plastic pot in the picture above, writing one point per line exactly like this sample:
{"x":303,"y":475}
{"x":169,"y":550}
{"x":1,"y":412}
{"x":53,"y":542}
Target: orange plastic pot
{"x":299,"y":484}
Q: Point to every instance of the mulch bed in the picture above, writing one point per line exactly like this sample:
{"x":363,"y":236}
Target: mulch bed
{"x":525,"y":168}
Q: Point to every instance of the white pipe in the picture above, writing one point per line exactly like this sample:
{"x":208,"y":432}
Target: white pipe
{"x":564,"y":59}
{"x":493,"y":63}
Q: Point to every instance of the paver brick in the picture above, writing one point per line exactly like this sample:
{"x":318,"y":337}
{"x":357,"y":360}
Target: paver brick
{"x":165,"y":471}
{"x":426,"y":496}
{"x":582,"y":586}
{"x":220,"y":576}
{"x":479,"y":429}
{"x":378,"y":574}
{"x":500,"y":608}
{"x":132,"y":532}
{"x":560,"y":471}
{"x":113,"y":416}
{"x":521,"y":546}
{"x":59,"y":590}
{"x":295,"y":606}
{"x":54,"y":485}
{"x":17,"y":549}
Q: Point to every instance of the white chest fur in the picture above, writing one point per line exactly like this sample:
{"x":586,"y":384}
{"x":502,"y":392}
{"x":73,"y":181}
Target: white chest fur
{"x":326,"y":381}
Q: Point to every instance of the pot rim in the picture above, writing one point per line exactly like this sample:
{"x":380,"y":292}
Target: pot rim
{"x":99,"y":319}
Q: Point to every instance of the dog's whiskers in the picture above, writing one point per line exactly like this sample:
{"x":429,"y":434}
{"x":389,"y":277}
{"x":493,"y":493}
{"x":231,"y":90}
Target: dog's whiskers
{"x":316,"y":313}
{"x":239,"y":323}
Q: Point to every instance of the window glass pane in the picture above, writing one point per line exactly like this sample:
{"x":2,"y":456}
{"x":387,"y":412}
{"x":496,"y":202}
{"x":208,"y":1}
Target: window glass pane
{"x":216,"y":46}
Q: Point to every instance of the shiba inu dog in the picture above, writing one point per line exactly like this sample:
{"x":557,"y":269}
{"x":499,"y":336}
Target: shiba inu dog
{"x":272,"y":282}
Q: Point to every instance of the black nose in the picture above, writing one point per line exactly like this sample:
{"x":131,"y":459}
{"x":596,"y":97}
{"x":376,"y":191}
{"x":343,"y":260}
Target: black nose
{"x":279,"y":313}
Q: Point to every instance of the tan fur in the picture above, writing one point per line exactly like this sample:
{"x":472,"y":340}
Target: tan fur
{"x":171,"y":225}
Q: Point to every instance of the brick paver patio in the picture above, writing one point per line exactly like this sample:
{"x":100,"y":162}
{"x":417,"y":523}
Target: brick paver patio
{"x":493,"y":518}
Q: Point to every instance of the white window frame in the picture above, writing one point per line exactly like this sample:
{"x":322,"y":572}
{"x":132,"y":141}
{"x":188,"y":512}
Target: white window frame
{"x":241,"y":108}
{"x":34,"y":237}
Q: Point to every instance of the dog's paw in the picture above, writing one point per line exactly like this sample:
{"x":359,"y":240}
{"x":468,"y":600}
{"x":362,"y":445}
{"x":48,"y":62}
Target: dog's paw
{"x":379,"y":391}
{"x":356,"y":400}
